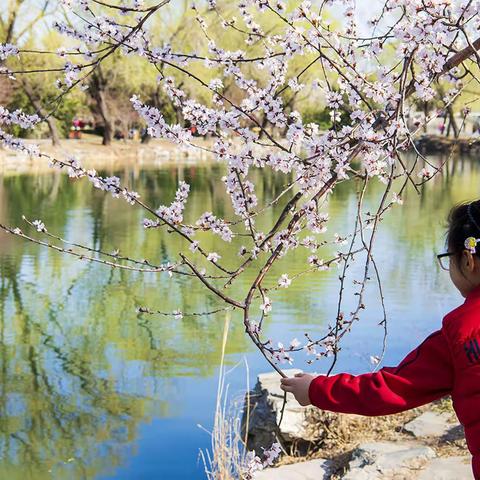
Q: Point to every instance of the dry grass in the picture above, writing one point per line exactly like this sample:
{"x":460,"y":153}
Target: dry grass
{"x":226,"y":459}
{"x":338,"y":434}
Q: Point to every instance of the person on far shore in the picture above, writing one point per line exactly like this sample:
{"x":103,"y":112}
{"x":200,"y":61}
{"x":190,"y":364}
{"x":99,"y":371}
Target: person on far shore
{"x":446,"y":363}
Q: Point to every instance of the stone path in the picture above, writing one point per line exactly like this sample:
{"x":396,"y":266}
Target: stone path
{"x":449,"y":468}
{"x":312,"y":470}
{"x":378,"y":460}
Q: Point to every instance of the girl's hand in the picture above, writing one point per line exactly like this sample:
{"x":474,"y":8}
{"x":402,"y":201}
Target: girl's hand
{"x":298,"y":385}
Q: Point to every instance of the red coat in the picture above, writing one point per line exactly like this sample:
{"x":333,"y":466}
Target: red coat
{"x":446,"y":363}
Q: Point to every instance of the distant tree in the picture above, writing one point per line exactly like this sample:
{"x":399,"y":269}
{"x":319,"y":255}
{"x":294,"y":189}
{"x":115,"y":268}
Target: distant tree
{"x":98,"y":86}
{"x":13,"y":31}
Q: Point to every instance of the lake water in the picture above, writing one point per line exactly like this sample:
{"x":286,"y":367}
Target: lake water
{"x":89,"y":389}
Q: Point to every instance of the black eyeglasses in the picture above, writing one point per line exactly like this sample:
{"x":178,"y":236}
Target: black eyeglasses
{"x":444,"y":260}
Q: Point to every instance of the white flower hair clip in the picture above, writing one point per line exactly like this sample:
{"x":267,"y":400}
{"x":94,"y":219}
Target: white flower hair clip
{"x":471,"y":244}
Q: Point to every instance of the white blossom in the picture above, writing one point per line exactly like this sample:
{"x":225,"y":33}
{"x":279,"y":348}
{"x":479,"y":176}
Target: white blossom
{"x":39,"y":225}
{"x":213,"y":257}
{"x":177,"y":314}
{"x":266,"y":306}
{"x":18,"y":117}
{"x":425,"y":173}
{"x":374,"y":359}
{"x":294,"y":344}
{"x":208,"y":221}
{"x":174,"y":213}
{"x":396,"y":198}
{"x":13,"y":143}
{"x":158,"y":127}
{"x":7,"y":50}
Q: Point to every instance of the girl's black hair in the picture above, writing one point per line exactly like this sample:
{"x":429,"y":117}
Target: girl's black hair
{"x":463,"y":222}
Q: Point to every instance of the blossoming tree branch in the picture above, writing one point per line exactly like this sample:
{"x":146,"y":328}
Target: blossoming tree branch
{"x":371,"y":73}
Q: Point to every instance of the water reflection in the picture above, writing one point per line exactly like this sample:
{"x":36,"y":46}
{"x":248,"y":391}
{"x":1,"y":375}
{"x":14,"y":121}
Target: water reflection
{"x":80,"y":370}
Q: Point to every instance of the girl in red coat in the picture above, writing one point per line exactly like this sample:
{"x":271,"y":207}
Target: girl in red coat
{"x":446,"y":363}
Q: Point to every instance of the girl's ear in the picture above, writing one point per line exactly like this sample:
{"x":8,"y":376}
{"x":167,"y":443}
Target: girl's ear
{"x":468,"y":261}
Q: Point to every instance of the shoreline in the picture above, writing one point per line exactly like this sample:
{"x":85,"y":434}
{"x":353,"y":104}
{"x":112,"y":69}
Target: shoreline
{"x":437,"y":144}
{"x":92,"y":154}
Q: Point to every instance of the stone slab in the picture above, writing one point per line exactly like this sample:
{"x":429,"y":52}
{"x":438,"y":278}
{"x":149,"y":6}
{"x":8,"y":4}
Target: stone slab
{"x":312,"y":470}
{"x":381,"y":460}
{"x":449,"y":468}
{"x":266,"y":413}
{"x":430,"y":424}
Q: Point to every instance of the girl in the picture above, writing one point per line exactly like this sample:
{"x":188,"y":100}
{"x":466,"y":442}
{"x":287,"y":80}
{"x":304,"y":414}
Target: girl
{"x":446,"y":363}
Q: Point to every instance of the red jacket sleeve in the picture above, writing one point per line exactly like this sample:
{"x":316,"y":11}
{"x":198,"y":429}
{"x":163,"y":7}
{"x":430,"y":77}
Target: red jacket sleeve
{"x":424,"y":375}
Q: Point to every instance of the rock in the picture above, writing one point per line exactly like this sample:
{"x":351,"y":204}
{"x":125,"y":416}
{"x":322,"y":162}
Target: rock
{"x":430,"y":424}
{"x":311,"y":470}
{"x":448,"y":468}
{"x":294,"y":415}
{"x":266,"y":402}
{"x":383,"y":460}
{"x":455,"y":434}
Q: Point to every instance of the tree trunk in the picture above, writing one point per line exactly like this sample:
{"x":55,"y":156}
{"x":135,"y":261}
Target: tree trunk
{"x":37,"y":105}
{"x":97,"y":89}
{"x":263,"y":126}
{"x":146,"y":138}
{"x":452,"y":122}
{"x":425,"y":114}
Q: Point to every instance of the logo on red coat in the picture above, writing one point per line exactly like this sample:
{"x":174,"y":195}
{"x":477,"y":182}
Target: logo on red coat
{"x":472,"y":350}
